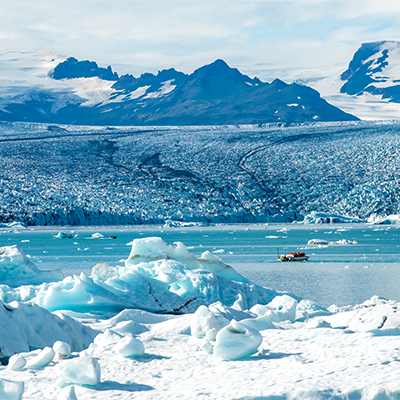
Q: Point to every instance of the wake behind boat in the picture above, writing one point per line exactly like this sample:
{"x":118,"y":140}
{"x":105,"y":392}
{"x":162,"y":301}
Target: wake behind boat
{"x":297,"y":256}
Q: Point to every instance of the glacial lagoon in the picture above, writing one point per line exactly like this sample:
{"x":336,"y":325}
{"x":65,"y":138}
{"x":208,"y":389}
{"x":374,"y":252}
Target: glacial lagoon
{"x":336,"y":273}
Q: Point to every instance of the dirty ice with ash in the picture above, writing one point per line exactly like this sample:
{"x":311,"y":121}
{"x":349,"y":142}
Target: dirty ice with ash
{"x":170,"y":325}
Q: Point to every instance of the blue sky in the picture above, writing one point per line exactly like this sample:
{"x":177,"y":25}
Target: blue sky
{"x":149,"y":35}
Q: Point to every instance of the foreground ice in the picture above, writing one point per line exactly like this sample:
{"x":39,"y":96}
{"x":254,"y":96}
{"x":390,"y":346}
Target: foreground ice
{"x":259,"y":345}
{"x":349,"y":353}
{"x":25,"y":327}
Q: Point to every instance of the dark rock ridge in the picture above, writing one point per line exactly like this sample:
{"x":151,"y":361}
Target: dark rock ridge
{"x":368,"y":71}
{"x":214,"y":94}
{"x":72,"y":68}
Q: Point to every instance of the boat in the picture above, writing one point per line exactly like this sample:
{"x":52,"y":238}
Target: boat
{"x":297,"y":256}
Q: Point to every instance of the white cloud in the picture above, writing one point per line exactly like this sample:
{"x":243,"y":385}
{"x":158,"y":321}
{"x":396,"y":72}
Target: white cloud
{"x":150,"y":35}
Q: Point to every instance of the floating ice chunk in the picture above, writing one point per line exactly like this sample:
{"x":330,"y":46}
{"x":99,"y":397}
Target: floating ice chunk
{"x":219,"y":251}
{"x":203,"y":320}
{"x":16,"y":269}
{"x":80,"y":371}
{"x":62,"y":349}
{"x":131,"y":328}
{"x":236,"y":341}
{"x":179,"y":224}
{"x":67,"y":393}
{"x":97,"y":236}
{"x":322,"y":242}
{"x":130,"y":347}
{"x":16,"y":362}
{"x":10,"y":390}
{"x":66,"y":235}
{"x":44,"y":358}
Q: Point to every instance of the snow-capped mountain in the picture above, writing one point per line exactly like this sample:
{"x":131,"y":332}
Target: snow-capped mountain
{"x":374,"y":69}
{"x":43,"y":87}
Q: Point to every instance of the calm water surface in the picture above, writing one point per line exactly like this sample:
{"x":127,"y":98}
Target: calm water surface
{"x":335,"y":274}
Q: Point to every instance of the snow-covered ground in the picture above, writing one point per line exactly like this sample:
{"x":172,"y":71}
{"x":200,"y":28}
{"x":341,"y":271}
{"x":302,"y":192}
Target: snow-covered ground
{"x":244,"y":342}
{"x":117,"y":176}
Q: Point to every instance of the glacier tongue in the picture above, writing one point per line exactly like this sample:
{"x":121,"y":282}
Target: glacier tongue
{"x":178,"y":175}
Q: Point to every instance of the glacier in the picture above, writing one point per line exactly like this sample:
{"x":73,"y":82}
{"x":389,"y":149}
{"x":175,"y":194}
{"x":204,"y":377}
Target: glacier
{"x":216,"y":174}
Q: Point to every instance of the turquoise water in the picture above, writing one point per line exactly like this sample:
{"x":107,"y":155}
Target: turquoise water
{"x":335,"y":274}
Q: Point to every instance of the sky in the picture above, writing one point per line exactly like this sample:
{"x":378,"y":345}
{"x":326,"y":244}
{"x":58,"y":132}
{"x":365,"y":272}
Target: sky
{"x":260,"y":38}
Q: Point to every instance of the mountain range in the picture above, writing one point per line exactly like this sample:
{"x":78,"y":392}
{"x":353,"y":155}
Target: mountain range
{"x":62,"y":90}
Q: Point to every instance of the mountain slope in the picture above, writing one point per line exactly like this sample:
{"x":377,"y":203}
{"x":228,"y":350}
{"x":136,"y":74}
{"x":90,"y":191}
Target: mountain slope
{"x":81,"y":92}
{"x":374,"y":69}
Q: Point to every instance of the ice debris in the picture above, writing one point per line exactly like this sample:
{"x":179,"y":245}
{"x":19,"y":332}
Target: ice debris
{"x":62,"y":349}
{"x":10,"y":390}
{"x":80,"y":371}
{"x":16,"y":362}
{"x":129,"y":346}
{"x":68,"y":393}
{"x":236,"y":341}
{"x":44,"y":358}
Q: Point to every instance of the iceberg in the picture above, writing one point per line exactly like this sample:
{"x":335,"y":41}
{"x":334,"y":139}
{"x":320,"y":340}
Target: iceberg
{"x":16,"y":269}
{"x":157,"y":277}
